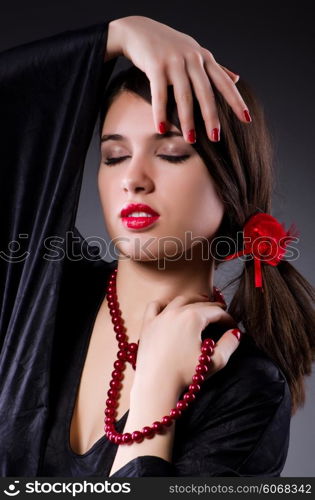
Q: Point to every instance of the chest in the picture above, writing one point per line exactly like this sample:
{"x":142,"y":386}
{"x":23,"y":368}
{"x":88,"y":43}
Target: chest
{"x":87,"y":422}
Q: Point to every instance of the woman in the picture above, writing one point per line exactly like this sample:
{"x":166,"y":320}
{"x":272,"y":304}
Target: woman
{"x":51,"y":92}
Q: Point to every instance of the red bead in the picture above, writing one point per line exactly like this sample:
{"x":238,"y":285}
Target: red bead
{"x":118,"y":439}
{"x":194,"y":387}
{"x":111,"y":304}
{"x":189,"y":396}
{"x":121,"y":338}
{"x":127,"y":438}
{"x":108,"y":420}
{"x":131,"y":358}
{"x":111,"y":403}
{"x":206,"y":349}
{"x":115,"y":320}
{"x":120,"y":330}
{"x":113,"y":393}
{"x":202,"y":369}
{"x":166,"y":420}
{"x":137,"y":436}
{"x":175,"y":413}
{"x":117,"y":375}
{"x":110,"y":412}
{"x":133,"y":347}
{"x":198,"y":378}
{"x":208,"y":341}
{"x":111,"y":290}
{"x":122,"y":355}
{"x":123,"y":346}
{"x":204,"y":359}
{"x":158,"y":427}
{"x":148,"y":432}
{"x":119,"y":365}
{"x":182,"y":405}
{"x":115,"y":384}
{"x":111,"y":297}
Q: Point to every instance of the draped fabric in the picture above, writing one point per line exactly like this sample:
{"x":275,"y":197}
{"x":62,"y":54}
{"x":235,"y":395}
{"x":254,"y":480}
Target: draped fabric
{"x":50,"y":95}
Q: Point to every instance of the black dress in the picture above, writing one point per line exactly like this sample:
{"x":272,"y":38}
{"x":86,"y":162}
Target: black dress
{"x":239,"y":425}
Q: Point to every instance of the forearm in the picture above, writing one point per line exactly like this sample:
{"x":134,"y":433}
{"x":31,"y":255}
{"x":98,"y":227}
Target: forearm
{"x":144,"y":411}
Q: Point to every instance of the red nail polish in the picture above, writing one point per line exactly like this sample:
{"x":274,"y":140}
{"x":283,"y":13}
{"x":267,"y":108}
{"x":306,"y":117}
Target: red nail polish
{"x":237,"y":333}
{"x":162,"y":127}
{"x":215,"y":135}
{"x":247,"y":115}
{"x":191,"y":135}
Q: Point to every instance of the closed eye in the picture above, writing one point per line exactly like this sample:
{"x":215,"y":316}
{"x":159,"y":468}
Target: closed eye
{"x":170,"y":158}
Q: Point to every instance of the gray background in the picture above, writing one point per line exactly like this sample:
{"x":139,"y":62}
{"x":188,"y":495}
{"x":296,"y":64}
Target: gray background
{"x":271,"y":45}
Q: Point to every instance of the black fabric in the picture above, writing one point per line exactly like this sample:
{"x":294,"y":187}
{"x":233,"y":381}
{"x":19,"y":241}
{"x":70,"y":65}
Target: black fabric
{"x":238,"y":426}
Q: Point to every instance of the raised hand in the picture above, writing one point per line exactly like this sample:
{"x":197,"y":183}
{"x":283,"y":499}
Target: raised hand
{"x":169,"y":57}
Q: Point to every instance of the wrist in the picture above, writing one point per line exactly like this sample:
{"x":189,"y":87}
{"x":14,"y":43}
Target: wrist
{"x":156,"y":393}
{"x":113,"y":45}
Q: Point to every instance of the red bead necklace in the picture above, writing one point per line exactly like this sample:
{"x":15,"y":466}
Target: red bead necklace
{"x":128,"y":352}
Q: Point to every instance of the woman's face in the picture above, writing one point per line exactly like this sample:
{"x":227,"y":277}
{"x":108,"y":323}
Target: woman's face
{"x":182,"y":193}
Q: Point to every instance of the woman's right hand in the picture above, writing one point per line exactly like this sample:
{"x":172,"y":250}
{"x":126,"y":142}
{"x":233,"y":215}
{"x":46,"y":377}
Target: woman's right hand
{"x":170,"y":341}
{"x":169,"y":57}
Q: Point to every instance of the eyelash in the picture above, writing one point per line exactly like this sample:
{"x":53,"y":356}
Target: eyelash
{"x":171,"y":159}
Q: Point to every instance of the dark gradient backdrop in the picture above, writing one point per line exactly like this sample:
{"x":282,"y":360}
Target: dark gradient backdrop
{"x":271,"y":45}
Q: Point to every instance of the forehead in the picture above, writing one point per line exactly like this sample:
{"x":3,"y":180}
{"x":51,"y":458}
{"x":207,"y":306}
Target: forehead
{"x":131,"y":116}
{"x":127,"y":111}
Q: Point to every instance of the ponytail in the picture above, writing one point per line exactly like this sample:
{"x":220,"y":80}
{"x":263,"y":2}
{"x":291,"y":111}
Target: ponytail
{"x":281,"y":320}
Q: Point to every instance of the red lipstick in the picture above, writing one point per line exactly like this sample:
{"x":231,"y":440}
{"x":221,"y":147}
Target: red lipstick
{"x":137,"y":221}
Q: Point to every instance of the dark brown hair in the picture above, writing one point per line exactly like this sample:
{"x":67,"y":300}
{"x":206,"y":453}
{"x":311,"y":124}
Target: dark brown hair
{"x":280,"y":319}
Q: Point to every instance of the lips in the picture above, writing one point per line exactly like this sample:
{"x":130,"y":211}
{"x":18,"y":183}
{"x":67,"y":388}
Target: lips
{"x":138,"y":207}
{"x":138,"y":222}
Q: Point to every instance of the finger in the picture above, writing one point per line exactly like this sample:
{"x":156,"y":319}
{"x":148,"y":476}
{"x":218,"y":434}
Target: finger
{"x":227,"y":88}
{"x":204,"y":93}
{"x":212,"y":313}
{"x":158,"y":85}
{"x":184,"y":100}
{"x":224,"y":349}
{"x":234,"y":77}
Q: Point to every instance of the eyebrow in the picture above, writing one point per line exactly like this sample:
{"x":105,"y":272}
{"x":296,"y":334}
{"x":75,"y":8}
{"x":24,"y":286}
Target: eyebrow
{"x":118,"y":137}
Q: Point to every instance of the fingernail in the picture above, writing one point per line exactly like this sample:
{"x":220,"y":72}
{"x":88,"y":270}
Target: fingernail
{"x":162,"y":127}
{"x":218,"y":295}
{"x":247,"y":115}
{"x":237,"y":333}
{"x":191,"y":136}
{"x":215,"y":135}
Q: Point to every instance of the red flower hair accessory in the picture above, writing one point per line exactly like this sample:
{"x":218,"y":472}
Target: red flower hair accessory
{"x":266,"y":239}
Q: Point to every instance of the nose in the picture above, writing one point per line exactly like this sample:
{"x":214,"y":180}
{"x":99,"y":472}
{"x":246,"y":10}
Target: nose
{"x":136,"y":179}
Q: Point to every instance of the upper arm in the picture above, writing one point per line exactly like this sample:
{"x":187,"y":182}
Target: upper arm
{"x":243,"y":431}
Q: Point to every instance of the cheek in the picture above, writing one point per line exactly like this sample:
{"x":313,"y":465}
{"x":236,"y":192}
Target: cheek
{"x":105,"y":193}
{"x":201,"y":208}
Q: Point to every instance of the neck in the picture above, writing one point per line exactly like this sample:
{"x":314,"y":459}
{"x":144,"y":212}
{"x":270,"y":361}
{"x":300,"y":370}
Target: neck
{"x":139,"y":282}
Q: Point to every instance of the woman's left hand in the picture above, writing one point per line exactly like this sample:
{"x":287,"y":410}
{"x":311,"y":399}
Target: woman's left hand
{"x":170,"y":57}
